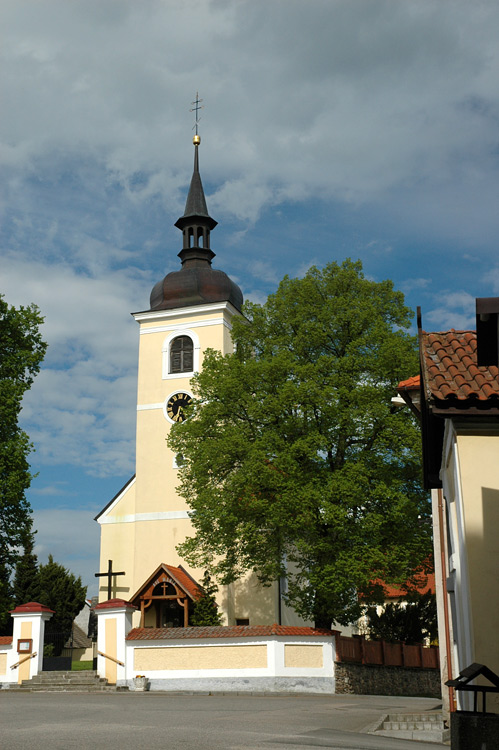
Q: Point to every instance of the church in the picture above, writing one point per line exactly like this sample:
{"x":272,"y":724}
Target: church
{"x":190,"y":310}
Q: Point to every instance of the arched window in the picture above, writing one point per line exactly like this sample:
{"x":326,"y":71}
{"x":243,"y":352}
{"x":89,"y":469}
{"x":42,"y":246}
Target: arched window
{"x":181,"y":354}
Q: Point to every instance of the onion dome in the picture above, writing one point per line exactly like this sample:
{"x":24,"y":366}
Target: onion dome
{"x":196,"y":283}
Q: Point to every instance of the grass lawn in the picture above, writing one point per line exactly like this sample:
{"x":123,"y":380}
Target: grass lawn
{"x":79,"y":666}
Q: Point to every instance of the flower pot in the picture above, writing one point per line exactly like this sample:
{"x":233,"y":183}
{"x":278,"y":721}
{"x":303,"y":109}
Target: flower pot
{"x":140,"y":683}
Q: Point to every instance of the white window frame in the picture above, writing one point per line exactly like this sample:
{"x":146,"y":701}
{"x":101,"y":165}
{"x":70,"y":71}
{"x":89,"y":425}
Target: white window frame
{"x":167,"y":375}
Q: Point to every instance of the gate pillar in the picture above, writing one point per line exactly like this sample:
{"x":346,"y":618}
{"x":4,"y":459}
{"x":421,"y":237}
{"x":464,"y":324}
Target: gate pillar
{"x":114,"y":622}
{"x":26,"y":657}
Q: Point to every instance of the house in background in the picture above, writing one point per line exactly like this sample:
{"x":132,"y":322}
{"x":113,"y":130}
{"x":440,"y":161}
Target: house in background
{"x":457,"y":398}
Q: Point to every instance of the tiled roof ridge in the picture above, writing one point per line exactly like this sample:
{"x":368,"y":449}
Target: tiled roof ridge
{"x":5,"y":640}
{"x":224,"y":631}
{"x":450,"y":330}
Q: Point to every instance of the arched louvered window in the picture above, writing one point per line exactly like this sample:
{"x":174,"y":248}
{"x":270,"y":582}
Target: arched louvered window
{"x":181,"y":354}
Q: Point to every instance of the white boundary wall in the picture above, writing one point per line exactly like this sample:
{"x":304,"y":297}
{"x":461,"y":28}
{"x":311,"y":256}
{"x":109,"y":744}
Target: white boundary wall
{"x":260,"y":659}
{"x":275,"y":671}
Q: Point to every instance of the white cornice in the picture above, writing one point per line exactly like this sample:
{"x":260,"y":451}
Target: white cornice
{"x":159,"y":315}
{"x":169,"y":515}
{"x":186,"y":326}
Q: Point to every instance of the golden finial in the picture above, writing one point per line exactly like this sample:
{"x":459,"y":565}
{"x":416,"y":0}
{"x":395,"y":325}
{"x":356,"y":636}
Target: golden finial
{"x":196,"y":140}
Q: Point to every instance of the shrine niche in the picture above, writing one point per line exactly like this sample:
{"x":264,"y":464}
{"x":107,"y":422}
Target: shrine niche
{"x":166,"y":599}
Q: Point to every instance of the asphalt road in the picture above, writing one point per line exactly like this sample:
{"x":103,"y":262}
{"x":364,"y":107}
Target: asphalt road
{"x":139,"y":721}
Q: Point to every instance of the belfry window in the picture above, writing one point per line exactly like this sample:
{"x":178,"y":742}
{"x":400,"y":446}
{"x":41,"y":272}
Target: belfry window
{"x":181,"y":354}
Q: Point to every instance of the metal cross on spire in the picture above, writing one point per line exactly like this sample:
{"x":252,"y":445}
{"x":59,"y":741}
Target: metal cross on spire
{"x":196,"y":107}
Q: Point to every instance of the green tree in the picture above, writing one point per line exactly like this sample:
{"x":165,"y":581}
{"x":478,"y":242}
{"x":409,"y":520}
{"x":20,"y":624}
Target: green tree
{"x":5,"y":601}
{"x":295,"y":460}
{"x":21,"y":353}
{"x":205,"y":611}
{"x":410,"y":622}
{"x":61,"y":591}
{"x":26,"y":587}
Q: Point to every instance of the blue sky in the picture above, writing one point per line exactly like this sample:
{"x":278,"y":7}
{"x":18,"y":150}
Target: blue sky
{"x":331,"y":129}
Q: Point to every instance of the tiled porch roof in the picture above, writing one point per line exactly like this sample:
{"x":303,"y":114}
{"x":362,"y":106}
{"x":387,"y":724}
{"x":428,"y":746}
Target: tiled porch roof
{"x":236,"y":631}
{"x":411,"y":384}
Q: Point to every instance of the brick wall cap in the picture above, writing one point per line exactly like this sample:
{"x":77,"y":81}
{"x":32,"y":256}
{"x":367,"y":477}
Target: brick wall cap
{"x":30,"y":607}
{"x":115,"y":604}
{"x":224,"y":631}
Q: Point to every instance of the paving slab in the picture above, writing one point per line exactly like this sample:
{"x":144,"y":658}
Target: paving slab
{"x":124,"y":721}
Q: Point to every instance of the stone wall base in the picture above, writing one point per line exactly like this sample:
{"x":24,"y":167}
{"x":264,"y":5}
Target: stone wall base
{"x":315,"y":685}
{"x":368,"y":679}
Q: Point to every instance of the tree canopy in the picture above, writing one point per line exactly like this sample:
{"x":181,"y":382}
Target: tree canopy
{"x":63,"y":592}
{"x":295,"y":461}
{"x":21,"y":353}
{"x":410,"y":622}
{"x":205,"y":610}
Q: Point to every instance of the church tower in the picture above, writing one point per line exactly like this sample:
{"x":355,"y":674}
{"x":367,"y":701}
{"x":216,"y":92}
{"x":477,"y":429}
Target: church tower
{"x":190,"y":310}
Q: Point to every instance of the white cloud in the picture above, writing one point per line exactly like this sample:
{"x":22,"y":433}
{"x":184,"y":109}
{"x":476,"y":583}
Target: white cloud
{"x":355,"y":101}
{"x":492,"y":279}
{"x":80,"y":409}
{"x":72,"y":537}
{"x":419,"y":283}
{"x":347,"y":98}
{"x":255,"y":296}
{"x":456,"y":310}
{"x":356,"y":109}
{"x":52,"y":490}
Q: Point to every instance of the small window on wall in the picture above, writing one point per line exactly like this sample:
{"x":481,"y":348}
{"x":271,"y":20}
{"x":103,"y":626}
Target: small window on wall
{"x":242,"y":621}
{"x":181,"y":354}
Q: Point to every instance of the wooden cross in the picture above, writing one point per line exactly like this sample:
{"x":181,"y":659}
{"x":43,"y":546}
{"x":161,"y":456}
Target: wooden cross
{"x":110,"y":573}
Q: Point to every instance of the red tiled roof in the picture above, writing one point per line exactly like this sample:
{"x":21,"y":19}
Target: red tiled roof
{"x":5,"y":640}
{"x":450,"y":371}
{"x":396,"y":592}
{"x":115,"y":604}
{"x":31,"y":607}
{"x":185,"y":581}
{"x":236,"y":631}
{"x":412,"y":384}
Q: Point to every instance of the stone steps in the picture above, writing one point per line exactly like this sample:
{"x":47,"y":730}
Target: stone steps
{"x":425,"y":727}
{"x":63,"y":682}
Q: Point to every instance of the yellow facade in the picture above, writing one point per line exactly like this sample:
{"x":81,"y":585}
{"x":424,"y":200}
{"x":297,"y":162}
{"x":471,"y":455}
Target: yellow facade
{"x":201,"y":657}
{"x":143,"y":526}
{"x":478,"y":459}
{"x":25,"y":667}
{"x":305,"y":656}
{"x":111,"y":649}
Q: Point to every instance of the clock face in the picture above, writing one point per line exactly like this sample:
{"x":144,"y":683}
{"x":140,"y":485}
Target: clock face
{"x":176,"y":405}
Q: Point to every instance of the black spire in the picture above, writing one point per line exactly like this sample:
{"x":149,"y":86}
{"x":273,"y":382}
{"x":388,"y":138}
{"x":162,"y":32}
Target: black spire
{"x":196,"y":282}
{"x":195,"y":204}
{"x":196,"y":223}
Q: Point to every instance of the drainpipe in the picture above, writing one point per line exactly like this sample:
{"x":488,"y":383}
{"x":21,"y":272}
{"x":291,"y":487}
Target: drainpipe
{"x":452,"y":704}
